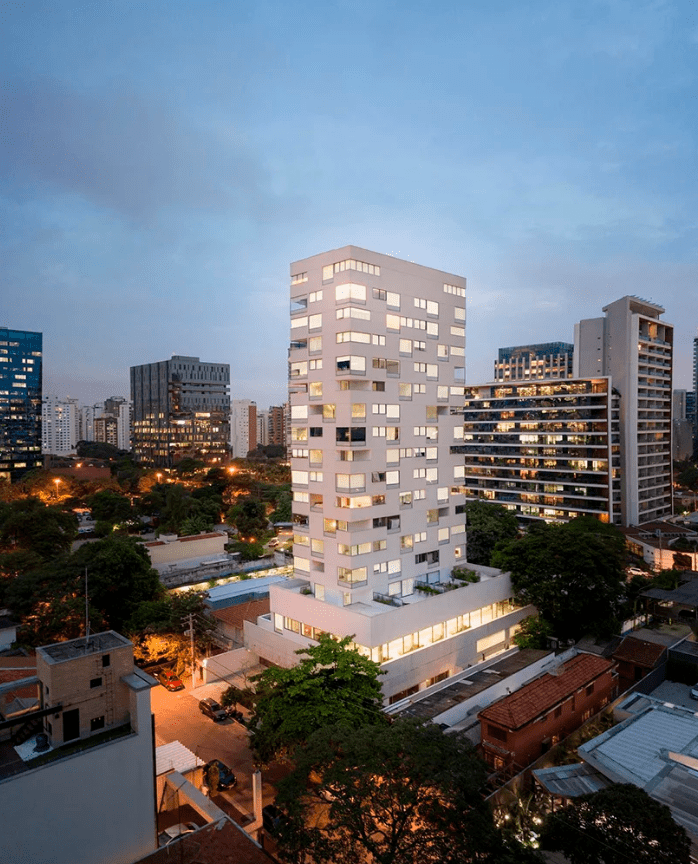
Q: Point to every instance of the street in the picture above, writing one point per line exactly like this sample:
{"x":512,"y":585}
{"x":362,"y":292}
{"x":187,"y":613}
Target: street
{"x":178,"y":718}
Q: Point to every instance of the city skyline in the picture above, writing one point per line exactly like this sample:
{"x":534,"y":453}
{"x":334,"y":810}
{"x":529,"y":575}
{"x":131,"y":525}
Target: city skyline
{"x":164,"y":163}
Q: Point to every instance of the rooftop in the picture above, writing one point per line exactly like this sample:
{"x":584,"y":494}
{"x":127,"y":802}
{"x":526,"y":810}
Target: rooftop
{"x":220,"y":842}
{"x":438,"y":702}
{"x":539,"y":696}
{"x":639,"y":651}
{"x":60,"y":652}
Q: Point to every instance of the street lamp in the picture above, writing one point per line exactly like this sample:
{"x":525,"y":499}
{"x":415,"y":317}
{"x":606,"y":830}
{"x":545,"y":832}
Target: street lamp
{"x":57,"y":481}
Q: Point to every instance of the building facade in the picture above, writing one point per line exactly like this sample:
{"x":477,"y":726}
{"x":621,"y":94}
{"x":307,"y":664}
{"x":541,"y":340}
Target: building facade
{"x":243,"y":427}
{"x":90,"y":794}
{"x":546,"y":360}
{"x":120,"y":409}
{"x":544,"y":449}
{"x":60,"y":425}
{"x":635,"y":348}
{"x":181,"y":407}
{"x":519,"y":728}
{"x":376,"y":370}
{"x":277,"y":424}
{"x":20,"y":402}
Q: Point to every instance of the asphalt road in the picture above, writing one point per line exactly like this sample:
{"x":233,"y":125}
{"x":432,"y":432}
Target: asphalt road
{"x":178,"y":718}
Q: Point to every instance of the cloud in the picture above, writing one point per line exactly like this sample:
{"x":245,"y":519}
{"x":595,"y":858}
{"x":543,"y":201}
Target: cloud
{"x":120,"y":152}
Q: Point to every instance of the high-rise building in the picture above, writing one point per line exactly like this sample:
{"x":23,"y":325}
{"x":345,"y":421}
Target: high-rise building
{"x":120,"y":409}
{"x":20,"y":402}
{"x":181,"y":407}
{"x":376,"y":371}
{"x":546,"y":360}
{"x":544,"y":449}
{"x":243,"y":427}
{"x":60,"y":426}
{"x":633,"y":346}
{"x":262,"y":428}
{"x":277,"y":424}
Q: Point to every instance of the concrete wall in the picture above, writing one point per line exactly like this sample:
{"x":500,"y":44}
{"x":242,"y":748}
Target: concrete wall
{"x":230,"y":664}
{"x":95,"y":807}
{"x":198,"y":546}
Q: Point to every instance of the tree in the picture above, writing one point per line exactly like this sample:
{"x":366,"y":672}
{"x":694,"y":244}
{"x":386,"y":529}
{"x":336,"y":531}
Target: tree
{"x":393,"y":794}
{"x":688,"y":478}
{"x":249,"y":517}
{"x":31,"y":526}
{"x":616,"y":825}
{"x":332,"y":683}
{"x":487,"y":525}
{"x":533,"y":632}
{"x":572,"y":572}
{"x":233,"y":695}
{"x":109,"y":506}
{"x":682,"y":561}
{"x":98,"y":450}
{"x":283,"y":511}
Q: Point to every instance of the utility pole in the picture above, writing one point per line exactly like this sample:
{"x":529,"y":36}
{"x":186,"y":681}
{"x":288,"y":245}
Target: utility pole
{"x":190,"y":632}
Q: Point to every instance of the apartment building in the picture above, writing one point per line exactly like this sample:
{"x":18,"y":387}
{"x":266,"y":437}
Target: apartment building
{"x":243,"y":427}
{"x":545,"y":449}
{"x":376,"y":369}
{"x":635,"y":348}
{"x":60,"y":425}
{"x":181,"y":407}
{"x":20,"y":402}
{"x":277,"y":424}
{"x":545,"y":360}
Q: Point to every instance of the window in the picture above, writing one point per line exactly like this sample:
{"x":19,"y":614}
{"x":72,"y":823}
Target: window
{"x":353,"y":435}
{"x":96,"y":723}
{"x":590,"y":689}
{"x":352,"y":363}
{"x":404,"y":390}
{"x":406,"y":347}
{"x":314,"y":296}
{"x":315,"y":322}
{"x":353,"y":312}
{"x":315,"y":390}
{"x":315,"y":344}
{"x":95,"y":682}
{"x":315,"y":431}
{"x":350,"y":291}
{"x":329,"y":412}
{"x":106,"y":660}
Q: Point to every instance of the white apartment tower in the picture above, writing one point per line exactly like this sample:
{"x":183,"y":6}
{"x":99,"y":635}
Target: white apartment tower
{"x":635,"y":348}
{"x":243,"y":427}
{"x":60,"y":427}
{"x":376,"y":368}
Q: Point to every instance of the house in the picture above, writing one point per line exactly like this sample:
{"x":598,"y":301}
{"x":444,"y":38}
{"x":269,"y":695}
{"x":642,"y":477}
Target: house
{"x":77,"y":776}
{"x":635,"y":658}
{"x":519,"y":728}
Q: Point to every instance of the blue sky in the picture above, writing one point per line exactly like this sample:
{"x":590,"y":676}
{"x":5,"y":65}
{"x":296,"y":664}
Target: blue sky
{"x":162,"y":164}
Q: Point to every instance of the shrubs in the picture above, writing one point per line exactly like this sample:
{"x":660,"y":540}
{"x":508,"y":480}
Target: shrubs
{"x":465,"y":575}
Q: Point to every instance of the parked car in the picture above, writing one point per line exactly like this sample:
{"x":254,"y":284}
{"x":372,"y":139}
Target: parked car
{"x":174,"y":832}
{"x":212,"y":709}
{"x":226,"y":778}
{"x":273,"y":542}
{"x":169,"y":680}
{"x":694,"y":691}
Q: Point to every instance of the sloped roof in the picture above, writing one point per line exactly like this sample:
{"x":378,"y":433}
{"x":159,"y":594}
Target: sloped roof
{"x":639,"y":651}
{"x":539,"y":696}
{"x":248,"y":611}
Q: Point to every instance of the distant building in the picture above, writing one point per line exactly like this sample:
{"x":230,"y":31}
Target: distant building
{"x":87,"y":415}
{"x":546,"y":360}
{"x":682,"y":428}
{"x":544,"y":449}
{"x":519,"y":728}
{"x":277,"y":424}
{"x":20,"y":402}
{"x":243,"y":427}
{"x":262,"y":428}
{"x":120,"y":409}
{"x":635,"y":348}
{"x":87,"y":794}
{"x":181,"y":407}
{"x":60,"y":426}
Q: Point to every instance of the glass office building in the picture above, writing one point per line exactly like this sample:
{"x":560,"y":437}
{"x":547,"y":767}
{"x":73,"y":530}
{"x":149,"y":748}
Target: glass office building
{"x":20,"y":402}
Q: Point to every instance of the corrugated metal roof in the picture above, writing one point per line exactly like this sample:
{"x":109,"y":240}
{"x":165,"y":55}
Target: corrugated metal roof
{"x":175,"y":757}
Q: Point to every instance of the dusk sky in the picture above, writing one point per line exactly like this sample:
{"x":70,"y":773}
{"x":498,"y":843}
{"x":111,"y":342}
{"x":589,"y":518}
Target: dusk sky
{"x":163,"y":162}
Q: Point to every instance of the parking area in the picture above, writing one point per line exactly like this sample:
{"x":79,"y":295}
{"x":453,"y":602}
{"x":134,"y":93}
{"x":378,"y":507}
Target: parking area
{"x":676,"y":694}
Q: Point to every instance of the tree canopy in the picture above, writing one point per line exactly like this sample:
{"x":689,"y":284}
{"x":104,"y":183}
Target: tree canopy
{"x":332,"y":683}
{"x":31,"y":526}
{"x":392,"y":794}
{"x":572,"y":572}
{"x":487,"y":525}
{"x":249,"y":516}
{"x":619,"y":824}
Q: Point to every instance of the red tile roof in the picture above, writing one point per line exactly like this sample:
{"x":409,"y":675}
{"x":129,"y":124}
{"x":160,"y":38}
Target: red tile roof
{"x":236,"y":615}
{"x":539,"y":696}
{"x":639,"y":651}
{"x":218,"y":843}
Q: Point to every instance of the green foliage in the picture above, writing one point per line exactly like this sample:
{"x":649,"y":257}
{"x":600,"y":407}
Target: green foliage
{"x":533,"y":633}
{"x":619,"y":824}
{"x":332,"y":683}
{"x":283,"y":512}
{"x":465,"y":575}
{"x":249,"y":516}
{"x":119,"y":578}
{"x":238,"y":696}
{"x":572,"y":572}
{"x":109,"y":506}
{"x":188,"y":466}
{"x":247,"y":551}
{"x":667,"y":580}
{"x":31,"y":526}
{"x":392,"y":794}
{"x":98,"y":450}
{"x":487,"y":525}
{"x":688,"y":478}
